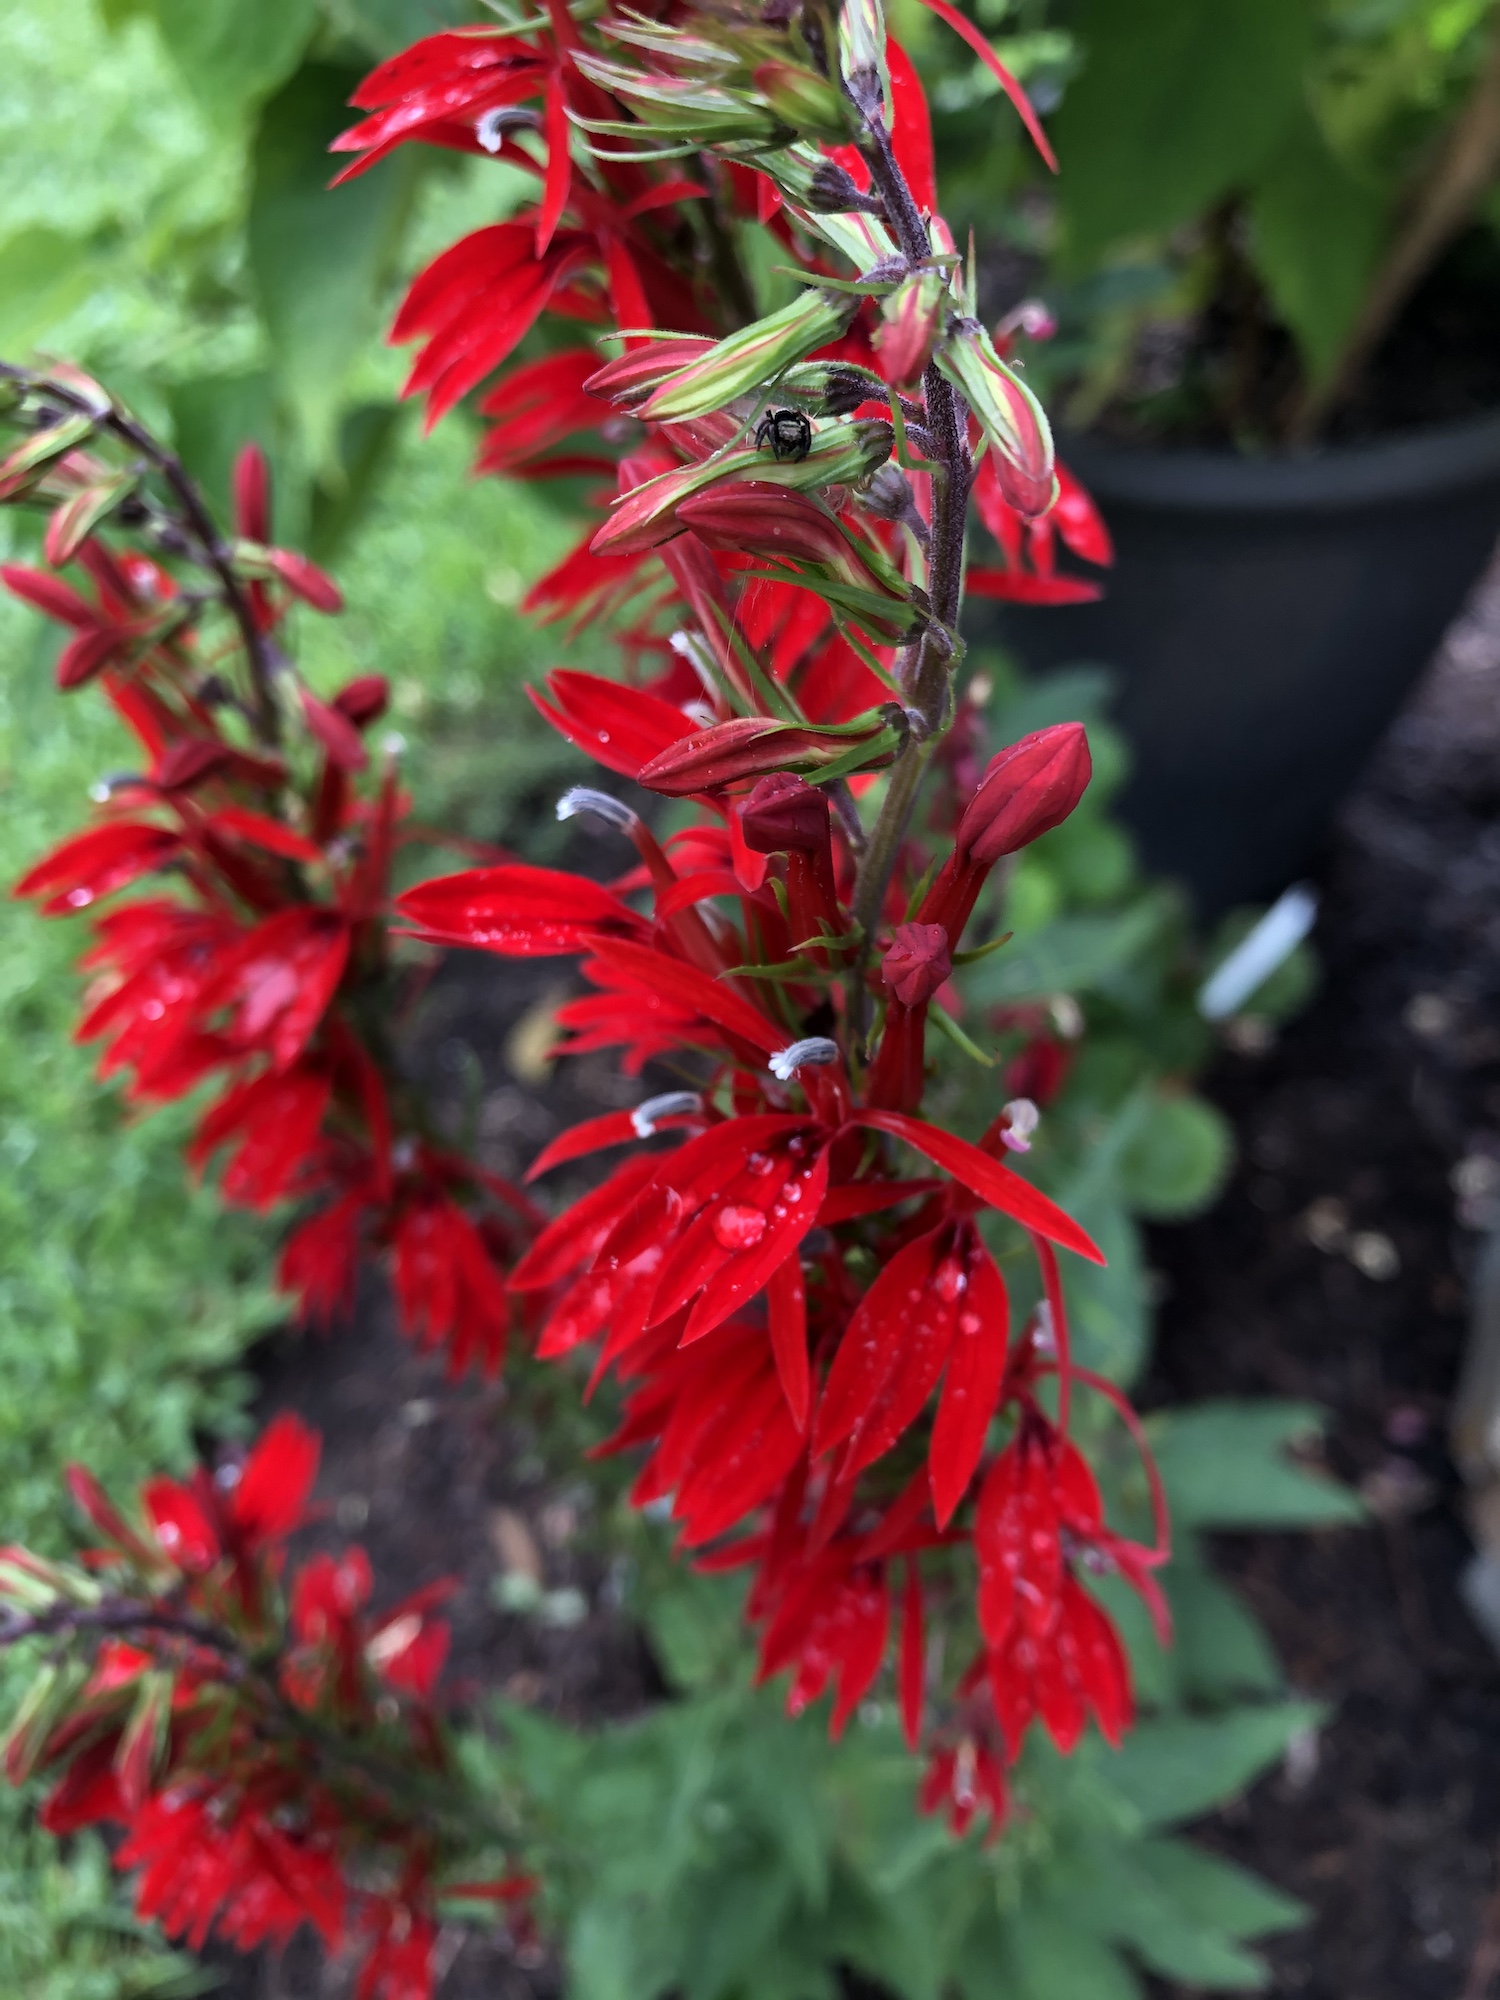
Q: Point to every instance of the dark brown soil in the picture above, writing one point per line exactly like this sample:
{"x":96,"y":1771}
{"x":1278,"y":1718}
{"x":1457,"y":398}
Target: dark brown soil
{"x":1364,"y":1128}
{"x":1351,"y":1128}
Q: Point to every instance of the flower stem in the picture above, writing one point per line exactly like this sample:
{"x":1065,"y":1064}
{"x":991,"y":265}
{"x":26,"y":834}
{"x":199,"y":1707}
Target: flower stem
{"x":929,"y":674}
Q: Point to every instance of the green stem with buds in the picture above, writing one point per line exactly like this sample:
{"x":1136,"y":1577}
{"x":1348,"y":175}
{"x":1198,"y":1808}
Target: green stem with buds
{"x":928,"y":675}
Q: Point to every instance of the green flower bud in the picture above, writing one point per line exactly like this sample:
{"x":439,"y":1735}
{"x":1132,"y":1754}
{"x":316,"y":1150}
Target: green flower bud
{"x":751,"y":358}
{"x":1014,"y":421}
{"x":862,"y":60}
{"x":803,"y":100}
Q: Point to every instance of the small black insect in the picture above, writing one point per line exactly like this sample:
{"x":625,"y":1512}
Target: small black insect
{"x":787,"y":432}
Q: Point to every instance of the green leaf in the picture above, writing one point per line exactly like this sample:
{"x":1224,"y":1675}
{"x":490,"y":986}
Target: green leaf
{"x":1175,"y":1767}
{"x":1219,"y":1650}
{"x":1217,"y":1893}
{"x":231,"y":52}
{"x":1047,"y":1953}
{"x":1182,"y":1912}
{"x":1178,"y":1158}
{"x":1177,"y":105}
{"x":44,"y":275}
{"x":319,"y":259}
{"x":1069,"y":955}
{"x":1317,"y":235}
{"x":1225,"y":1466}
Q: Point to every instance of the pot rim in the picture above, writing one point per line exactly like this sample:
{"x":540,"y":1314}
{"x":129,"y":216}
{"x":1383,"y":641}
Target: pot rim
{"x":1416,"y":465}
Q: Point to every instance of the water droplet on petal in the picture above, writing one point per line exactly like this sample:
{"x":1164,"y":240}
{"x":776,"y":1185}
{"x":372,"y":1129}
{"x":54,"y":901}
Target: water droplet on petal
{"x":969,"y":1323}
{"x":602,"y":734}
{"x":738,"y":1227}
{"x":949,"y":1280}
{"x":79,"y":899}
{"x":759,"y":1163}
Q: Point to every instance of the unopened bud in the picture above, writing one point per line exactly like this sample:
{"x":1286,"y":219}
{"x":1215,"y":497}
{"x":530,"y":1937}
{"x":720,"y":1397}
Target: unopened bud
{"x":750,"y":746}
{"x":785,"y":815}
{"x":364,"y":699}
{"x":1033,"y":317}
{"x":832,"y":190}
{"x":631,"y":378}
{"x":832,"y":388}
{"x":916,"y":963}
{"x":1027,"y":790}
{"x":910,"y":321}
{"x":647,"y":514}
{"x":752,"y":357}
{"x":1014,"y":421}
{"x":802,"y":99}
{"x":862,"y":58}
{"x":889,"y":497}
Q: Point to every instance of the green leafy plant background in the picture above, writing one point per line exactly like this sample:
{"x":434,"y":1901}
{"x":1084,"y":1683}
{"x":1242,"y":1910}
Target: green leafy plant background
{"x":162,"y":220}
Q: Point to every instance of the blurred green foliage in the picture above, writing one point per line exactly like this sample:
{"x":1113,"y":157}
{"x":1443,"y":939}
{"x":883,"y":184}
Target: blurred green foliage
{"x":1262,"y":147}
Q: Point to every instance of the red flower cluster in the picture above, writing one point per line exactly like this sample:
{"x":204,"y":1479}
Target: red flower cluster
{"x":266,"y":1745}
{"x":815,"y":1341}
{"x":794,"y":1316}
{"x":256,"y":960}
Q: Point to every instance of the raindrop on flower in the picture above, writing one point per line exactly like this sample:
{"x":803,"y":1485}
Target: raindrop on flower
{"x":969,"y":1323}
{"x":79,"y":899}
{"x":759,"y":1163}
{"x":949,"y":1280}
{"x":738,"y":1227}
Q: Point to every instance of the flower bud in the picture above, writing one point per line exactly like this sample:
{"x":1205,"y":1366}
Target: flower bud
{"x":910,"y":320}
{"x":862,"y":58}
{"x":755,"y":355}
{"x":831,"y":388}
{"x":1014,"y":421}
{"x":750,"y":746}
{"x":802,"y":99}
{"x":832,"y":190}
{"x":916,"y":962}
{"x":364,"y":699}
{"x":785,"y":815}
{"x":1027,"y":790}
{"x":631,"y":378}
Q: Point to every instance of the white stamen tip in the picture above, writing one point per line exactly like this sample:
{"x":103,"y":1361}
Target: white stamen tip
{"x":490,"y":129}
{"x":1024,"y":1119}
{"x":815,"y":1052}
{"x":1043,"y":1333}
{"x":671,"y":1104}
{"x":602,"y":805}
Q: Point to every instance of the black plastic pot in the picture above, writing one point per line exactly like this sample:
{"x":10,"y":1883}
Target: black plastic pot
{"x":1266,"y":619}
